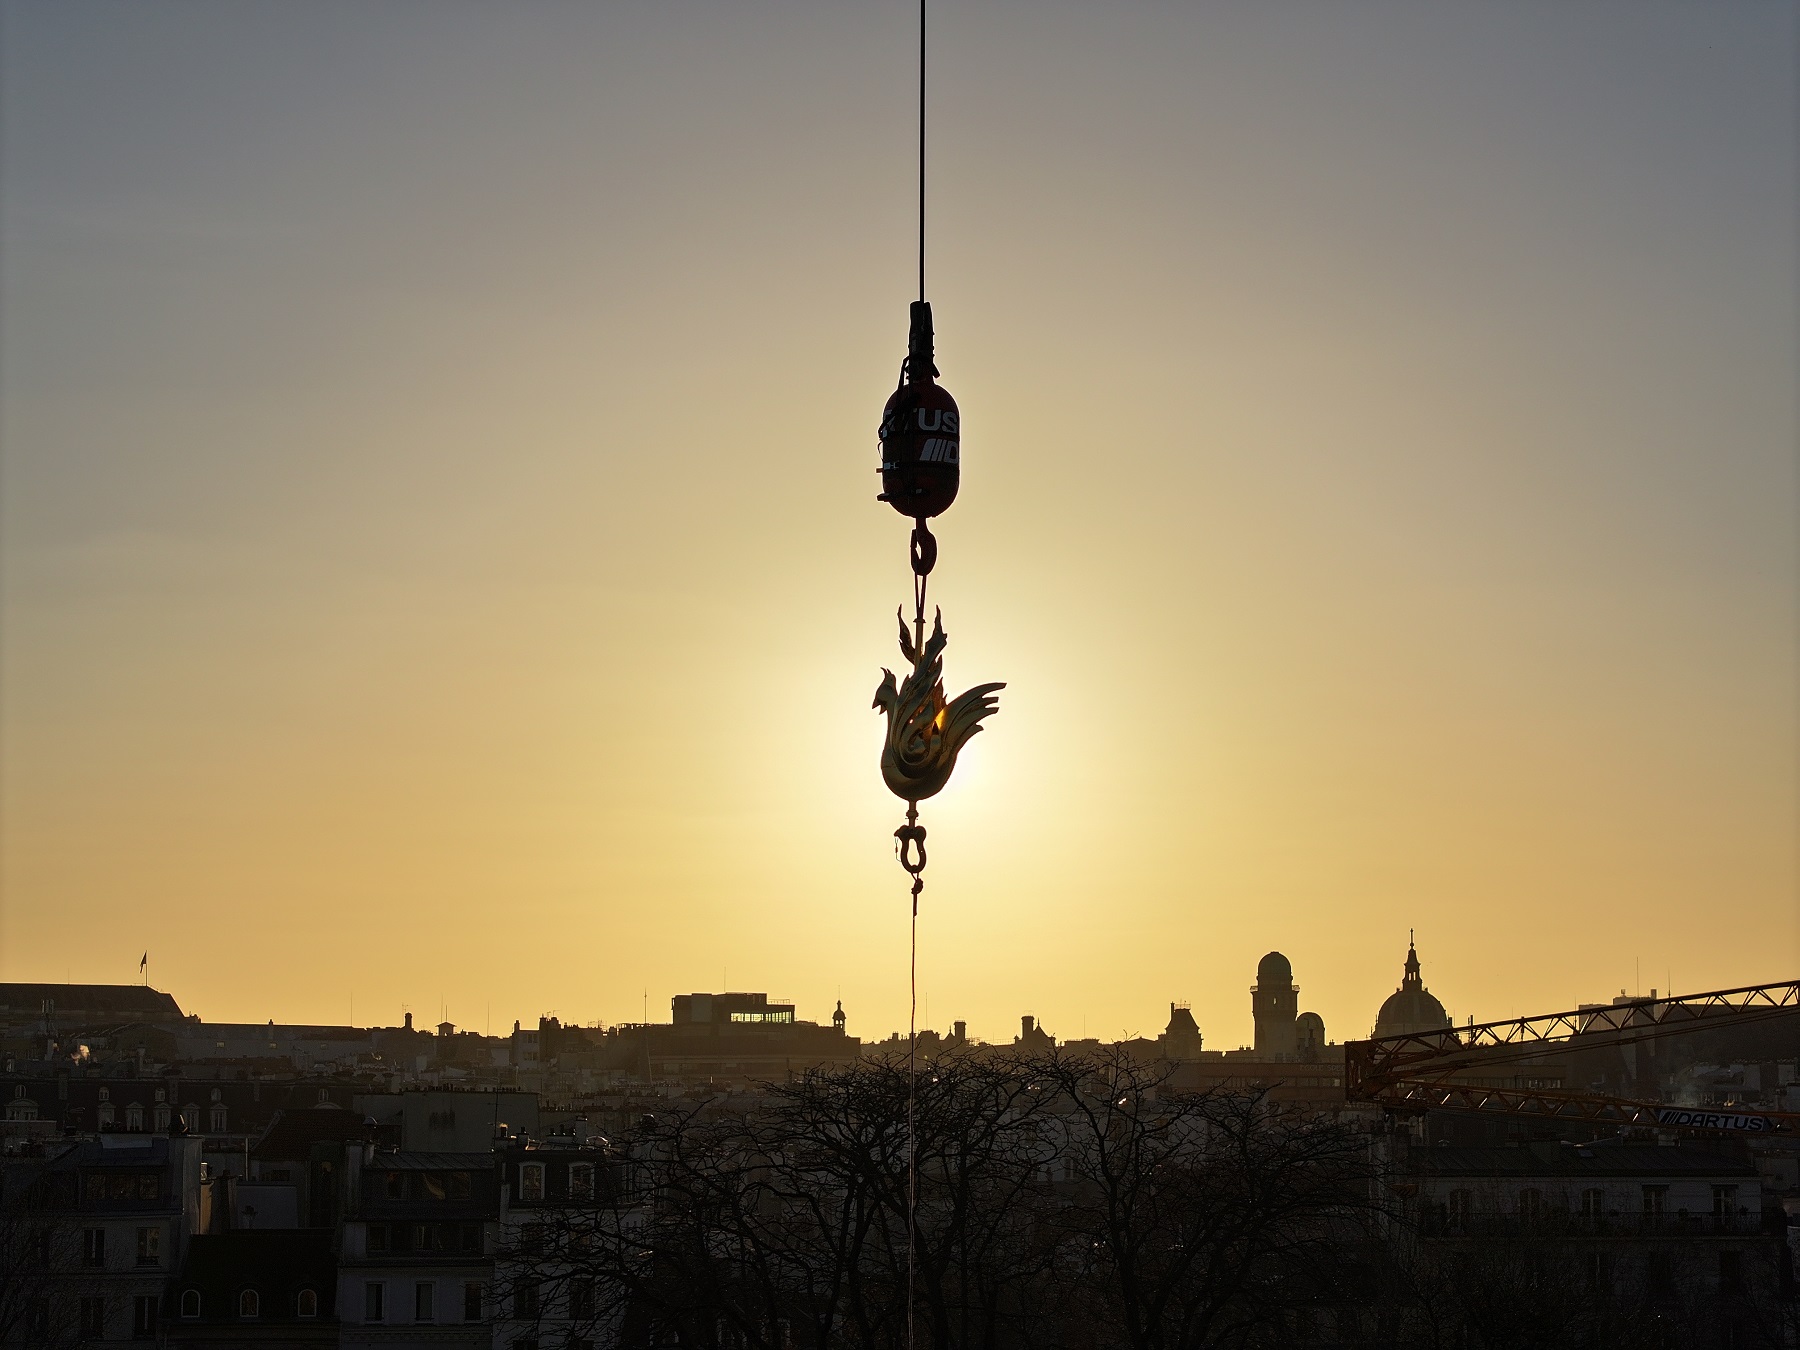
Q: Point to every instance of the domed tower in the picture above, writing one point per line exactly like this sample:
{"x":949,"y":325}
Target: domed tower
{"x":1309,"y":1036}
{"x":837,"y":1018}
{"x":1275,"y":1003}
{"x":1410,"y":1008}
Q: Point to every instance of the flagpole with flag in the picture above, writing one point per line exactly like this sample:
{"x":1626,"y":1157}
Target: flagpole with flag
{"x":144,"y":967}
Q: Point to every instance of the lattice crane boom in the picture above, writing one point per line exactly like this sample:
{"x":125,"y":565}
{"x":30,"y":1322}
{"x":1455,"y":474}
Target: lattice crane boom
{"x":1415,"y":1071}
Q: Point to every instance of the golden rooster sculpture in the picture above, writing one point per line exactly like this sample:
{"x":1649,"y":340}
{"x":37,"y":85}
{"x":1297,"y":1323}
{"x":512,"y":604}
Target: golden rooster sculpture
{"x":924,"y":733}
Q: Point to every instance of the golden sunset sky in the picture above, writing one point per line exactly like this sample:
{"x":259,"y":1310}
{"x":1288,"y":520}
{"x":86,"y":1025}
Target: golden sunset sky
{"x":441,"y":565}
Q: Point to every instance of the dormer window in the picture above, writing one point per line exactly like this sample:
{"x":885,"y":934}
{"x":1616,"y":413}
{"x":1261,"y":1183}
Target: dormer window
{"x":581,"y":1181}
{"x":190,"y":1302}
{"x":249,"y":1304}
{"x":307,"y":1304}
{"x":531,"y":1181}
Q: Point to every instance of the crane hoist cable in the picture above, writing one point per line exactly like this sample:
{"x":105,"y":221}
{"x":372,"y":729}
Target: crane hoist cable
{"x":920,"y":442}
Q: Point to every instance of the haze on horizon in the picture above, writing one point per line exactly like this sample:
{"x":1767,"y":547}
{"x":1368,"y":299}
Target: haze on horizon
{"x":440,"y":560}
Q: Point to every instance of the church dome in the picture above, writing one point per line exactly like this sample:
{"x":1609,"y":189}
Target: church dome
{"x":1411,"y":1008}
{"x":1274,"y":969}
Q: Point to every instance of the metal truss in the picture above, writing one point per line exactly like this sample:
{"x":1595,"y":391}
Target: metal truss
{"x":1418,"y":1097}
{"x":1375,"y":1068}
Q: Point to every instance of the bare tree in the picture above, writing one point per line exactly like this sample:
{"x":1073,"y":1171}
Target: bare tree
{"x":1199,"y":1216}
{"x":1061,"y":1201}
{"x":38,"y":1254}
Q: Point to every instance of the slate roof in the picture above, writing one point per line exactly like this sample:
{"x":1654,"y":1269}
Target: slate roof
{"x":124,"y":1002}
{"x":292,"y":1133}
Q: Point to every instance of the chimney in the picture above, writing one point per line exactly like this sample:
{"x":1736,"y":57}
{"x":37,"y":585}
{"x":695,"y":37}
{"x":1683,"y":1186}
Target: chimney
{"x":409,"y":1021}
{"x":962,"y":1031}
{"x":1026,"y":1023}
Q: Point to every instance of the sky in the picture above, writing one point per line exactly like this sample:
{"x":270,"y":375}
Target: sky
{"x":440,"y":569}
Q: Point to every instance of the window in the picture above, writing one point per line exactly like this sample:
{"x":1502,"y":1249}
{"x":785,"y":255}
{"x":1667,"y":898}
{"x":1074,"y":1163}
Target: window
{"x":149,"y":1246}
{"x":190,"y":1302}
{"x":1731,"y":1272}
{"x":531,"y":1239}
{"x":249,"y":1303}
{"x":95,"y":1186}
{"x":1593,"y":1203}
{"x":433,"y":1182}
{"x":525,"y":1300}
{"x":148,"y":1187}
{"x":472,"y":1302}
{"x":1653,"y":1201}
{"x":143,"y":1317}
{"x":471,"y":1237}
{"x":378,"y":1235}
{"x":425,"y":1237}
{"x":1460,"y":1209}
{"x":423,"y":1294}
{"x":1599,"y":1270}
{"x":216,"y":1120}
{"x":1531,"y":1204}
{"x":1724,"y":1205}
{"x":461,"y":1186}
{"x":581,"y":1180}
{"x":93,"y":1246}
{"x":396,"y":1185}
{"x":119,"y":1186}
{"x":93,"y":1317}
{"x":374,"y":1299}
{"x":306,"y":1304}
{"x":134,"y":1116}
{"x":531,"y":1181}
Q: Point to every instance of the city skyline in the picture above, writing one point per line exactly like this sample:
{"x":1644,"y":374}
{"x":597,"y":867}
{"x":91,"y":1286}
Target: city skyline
{"x":440,"y":559}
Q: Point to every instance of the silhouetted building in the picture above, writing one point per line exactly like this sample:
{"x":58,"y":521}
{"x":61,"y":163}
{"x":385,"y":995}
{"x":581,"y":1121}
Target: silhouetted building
{"x":26,"y":1007}
{"x":1275,"y":1003}
{"x":1410,"y":1008}
{"x":739,"y":1037}
{"x":1181,"y":1038}
{"x":1033,"y":1039}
